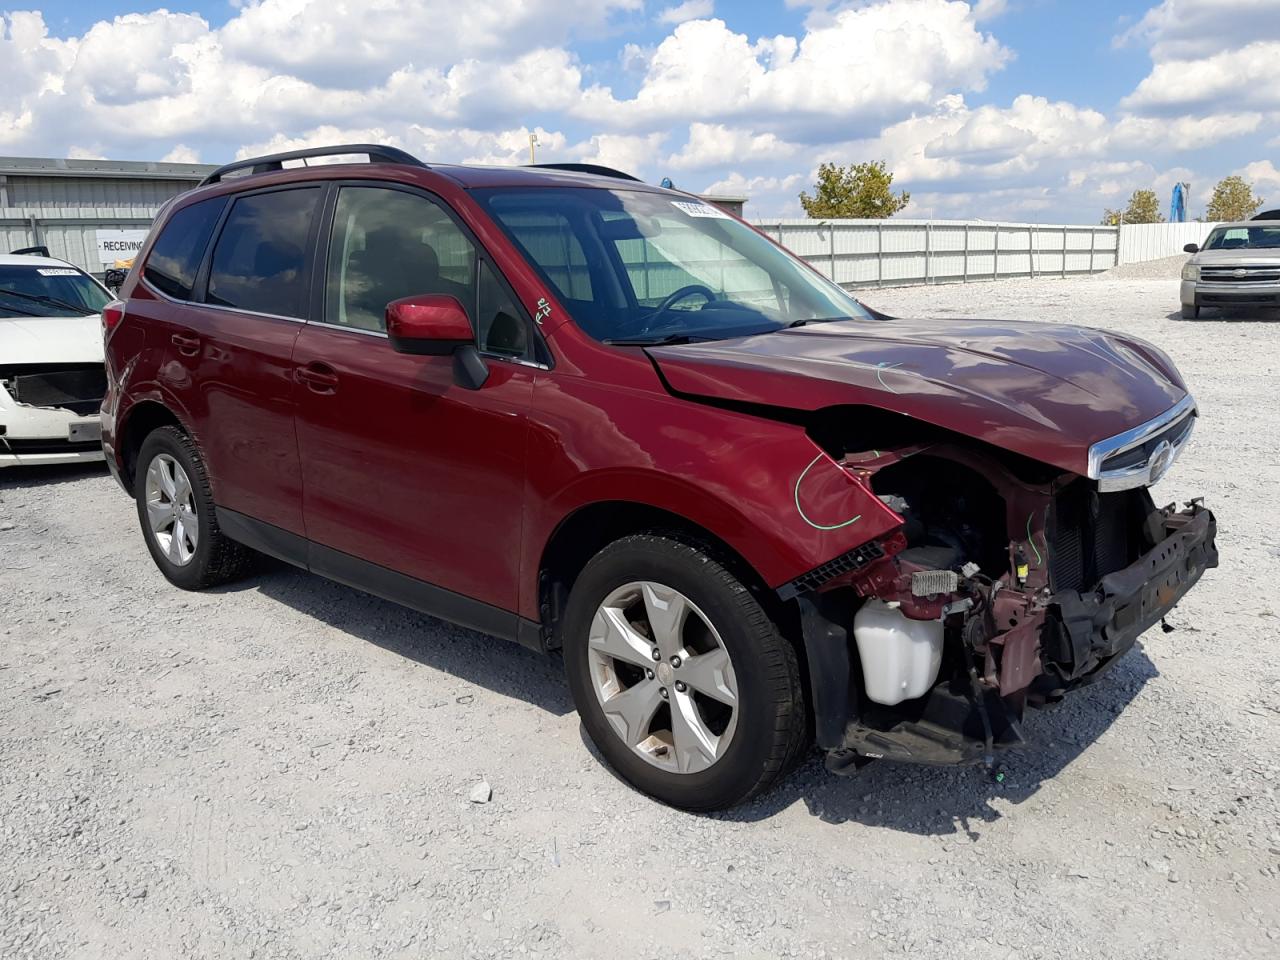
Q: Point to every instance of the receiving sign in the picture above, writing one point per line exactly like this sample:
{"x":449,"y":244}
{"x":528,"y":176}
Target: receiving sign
{"x":116,"y":245}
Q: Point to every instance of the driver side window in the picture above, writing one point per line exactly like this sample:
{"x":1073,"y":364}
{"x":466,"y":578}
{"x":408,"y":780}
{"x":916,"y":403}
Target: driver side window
{"x":388,"y":244}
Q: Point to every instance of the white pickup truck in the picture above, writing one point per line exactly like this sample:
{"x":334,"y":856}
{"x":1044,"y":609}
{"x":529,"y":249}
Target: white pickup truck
{"x":1238,"y":266}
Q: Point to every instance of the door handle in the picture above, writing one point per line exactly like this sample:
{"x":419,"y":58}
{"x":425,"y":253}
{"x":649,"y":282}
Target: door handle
{"x":187,"y":346}
{"x":318,"y":378}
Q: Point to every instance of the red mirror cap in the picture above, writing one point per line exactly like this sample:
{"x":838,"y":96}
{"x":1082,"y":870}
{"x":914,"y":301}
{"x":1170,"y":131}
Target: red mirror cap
{"x":430,"y":325}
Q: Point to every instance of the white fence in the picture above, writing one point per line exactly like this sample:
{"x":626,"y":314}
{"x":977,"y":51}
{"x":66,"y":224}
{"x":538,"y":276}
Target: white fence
{"x":1152,"y":241}
{"x":874,"y":253}
{"x":861,"y":253}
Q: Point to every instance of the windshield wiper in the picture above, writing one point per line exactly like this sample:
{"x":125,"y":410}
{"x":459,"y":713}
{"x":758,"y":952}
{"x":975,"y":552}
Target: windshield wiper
{"x":21,"y":312}
{"x":670,"y":339}
{"x":51,"y":301}
{"x":800,"y":323}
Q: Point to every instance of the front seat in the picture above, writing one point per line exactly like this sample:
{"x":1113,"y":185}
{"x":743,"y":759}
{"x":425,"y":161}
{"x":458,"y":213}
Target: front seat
{"x":394,"y":263}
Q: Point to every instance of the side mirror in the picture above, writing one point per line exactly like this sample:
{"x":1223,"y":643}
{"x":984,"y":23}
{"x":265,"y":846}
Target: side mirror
{"x":1191,"y":248}
{"x":435,"y":325}
{"x":431,"y":325}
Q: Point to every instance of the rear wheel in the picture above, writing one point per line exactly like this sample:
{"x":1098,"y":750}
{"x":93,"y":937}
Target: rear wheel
{"x":1190,"y":311}
{"x":681,"y":679}
{"x":175,"y":509}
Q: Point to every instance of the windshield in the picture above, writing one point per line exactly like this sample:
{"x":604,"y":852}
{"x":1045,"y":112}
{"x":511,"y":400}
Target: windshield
{"x":36,"y":291}
{"x":630,"y":265}
{"x":1244,"y":238}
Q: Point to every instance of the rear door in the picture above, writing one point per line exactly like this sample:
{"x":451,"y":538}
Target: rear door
{"x":236,"y":351}
{"x":402,"y":468}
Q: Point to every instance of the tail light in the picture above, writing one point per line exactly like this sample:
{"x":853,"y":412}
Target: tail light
{"x":112,"y":314}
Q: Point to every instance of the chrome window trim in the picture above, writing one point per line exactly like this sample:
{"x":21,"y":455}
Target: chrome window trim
{"x":383,"y":335}
{"x":214,"y":306}
{"x":1140,"y":476}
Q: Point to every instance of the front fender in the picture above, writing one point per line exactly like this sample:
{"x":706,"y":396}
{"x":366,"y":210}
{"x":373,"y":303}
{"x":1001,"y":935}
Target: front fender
{"x":761,"y":486}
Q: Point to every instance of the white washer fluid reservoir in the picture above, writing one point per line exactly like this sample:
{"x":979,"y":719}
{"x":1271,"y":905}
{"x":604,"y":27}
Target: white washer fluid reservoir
{"x":900,"y":656}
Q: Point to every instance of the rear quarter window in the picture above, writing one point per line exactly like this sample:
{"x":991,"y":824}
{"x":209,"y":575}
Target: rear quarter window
{"x":176,"y":255}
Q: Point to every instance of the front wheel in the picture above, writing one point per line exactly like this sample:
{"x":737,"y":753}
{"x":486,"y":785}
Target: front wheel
{"x":680,"y":677}
{"x":1190,"y":311}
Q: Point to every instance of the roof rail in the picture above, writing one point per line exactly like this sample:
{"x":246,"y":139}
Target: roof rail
{"x":595,"y":168}
{"x":40,"y":251}
{"x":275,"y":161}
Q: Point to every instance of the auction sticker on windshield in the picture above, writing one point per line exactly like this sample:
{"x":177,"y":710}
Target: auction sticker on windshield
{"x":57,"y":272}
{"x":701,"y":210}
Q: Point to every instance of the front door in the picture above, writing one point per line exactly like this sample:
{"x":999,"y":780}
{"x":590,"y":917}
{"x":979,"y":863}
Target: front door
{"x":402,"y":467}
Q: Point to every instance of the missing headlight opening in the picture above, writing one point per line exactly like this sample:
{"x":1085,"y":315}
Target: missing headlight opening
{"x":1007,"y":584}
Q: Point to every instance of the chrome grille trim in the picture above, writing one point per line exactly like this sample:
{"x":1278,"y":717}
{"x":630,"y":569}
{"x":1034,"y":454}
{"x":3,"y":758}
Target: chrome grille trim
{"x":1141,"y":475}
{"x":1240,"y":273}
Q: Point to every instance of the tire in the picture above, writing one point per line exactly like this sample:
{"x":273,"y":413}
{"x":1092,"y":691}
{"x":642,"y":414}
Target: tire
{"x":757,"y":739}
{"x":215,"y":558}
{"x":1190,"y":312}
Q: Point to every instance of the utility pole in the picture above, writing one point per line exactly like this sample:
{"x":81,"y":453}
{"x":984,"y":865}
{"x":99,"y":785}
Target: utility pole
{"x":533,"y":142}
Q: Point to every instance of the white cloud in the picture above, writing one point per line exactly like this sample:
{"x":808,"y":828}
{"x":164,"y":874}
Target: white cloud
{"x":181,"y":153}
{"x":1208,"y":56}
{"x":989,"y":9}
{"x":1194,"y":29}
{"x":334,"y":43}
{"x":1243,"y":78}
{"x":689,"y":10}
{"x":715,"y":145}
{"x":867,"y":62}
{"x":1265,"y":178}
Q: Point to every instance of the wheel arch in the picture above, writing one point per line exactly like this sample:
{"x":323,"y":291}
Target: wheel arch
{"x":142,"y":419}
{"x":589,"y":528}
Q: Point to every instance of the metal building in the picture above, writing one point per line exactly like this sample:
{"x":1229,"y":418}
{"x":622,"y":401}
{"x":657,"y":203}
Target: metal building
{"x":91,"y":212}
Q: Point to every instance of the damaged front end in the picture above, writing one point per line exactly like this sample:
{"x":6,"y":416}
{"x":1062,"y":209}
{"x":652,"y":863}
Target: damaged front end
{"x":1008,"y":584}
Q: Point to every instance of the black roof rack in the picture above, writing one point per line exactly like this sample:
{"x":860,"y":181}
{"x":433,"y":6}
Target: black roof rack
{"x":40,"y":251}
{"x":275,"y":161}
{"x":595,"y":168}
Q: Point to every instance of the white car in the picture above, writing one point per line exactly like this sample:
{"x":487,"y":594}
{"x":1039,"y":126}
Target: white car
{"x":51,"y":373}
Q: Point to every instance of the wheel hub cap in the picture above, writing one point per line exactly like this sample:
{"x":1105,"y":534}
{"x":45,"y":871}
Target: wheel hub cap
{"x":680,"y":712}
{"x":171,"y":509}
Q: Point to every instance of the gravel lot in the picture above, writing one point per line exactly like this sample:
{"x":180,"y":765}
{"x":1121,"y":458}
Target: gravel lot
{"x":283,"y":768}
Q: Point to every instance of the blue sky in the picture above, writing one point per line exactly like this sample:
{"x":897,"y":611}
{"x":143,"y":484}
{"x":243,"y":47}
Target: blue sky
{"x":1040,"y":110}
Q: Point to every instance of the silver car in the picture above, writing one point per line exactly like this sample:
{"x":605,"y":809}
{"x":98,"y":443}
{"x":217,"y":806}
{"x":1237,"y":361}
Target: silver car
{"x":1238,"y":266}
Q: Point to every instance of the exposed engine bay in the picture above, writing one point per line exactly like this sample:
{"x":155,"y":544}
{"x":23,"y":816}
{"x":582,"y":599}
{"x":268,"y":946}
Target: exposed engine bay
{"x":1008,"y":584}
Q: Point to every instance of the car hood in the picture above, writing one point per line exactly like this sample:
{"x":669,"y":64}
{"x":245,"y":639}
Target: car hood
{"x":1045,"y":391}
{"x":50,"y":340}
{"x":1262,"y":255}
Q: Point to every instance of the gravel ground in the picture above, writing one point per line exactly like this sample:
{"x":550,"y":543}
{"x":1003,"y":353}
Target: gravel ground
{"x":283,"y":768}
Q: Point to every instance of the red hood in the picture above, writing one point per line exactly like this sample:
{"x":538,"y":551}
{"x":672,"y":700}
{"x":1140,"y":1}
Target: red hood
{"x":1046,"y":391}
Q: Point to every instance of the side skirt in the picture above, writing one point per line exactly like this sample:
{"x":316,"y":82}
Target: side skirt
{"x":380,"y":581}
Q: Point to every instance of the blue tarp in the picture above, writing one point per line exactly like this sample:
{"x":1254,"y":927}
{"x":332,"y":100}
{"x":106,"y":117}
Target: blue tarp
{"x":1178,"y":207}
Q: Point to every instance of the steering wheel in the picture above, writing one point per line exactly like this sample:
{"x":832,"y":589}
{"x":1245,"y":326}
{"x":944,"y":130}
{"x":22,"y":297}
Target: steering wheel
{"x":669,"y":301}
{"x":686,"y":291}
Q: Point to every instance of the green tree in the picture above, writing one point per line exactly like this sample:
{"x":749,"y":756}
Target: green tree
{"x":1144,"y":207}
{"x":1233,"y":199}
{"x":860,"y":191}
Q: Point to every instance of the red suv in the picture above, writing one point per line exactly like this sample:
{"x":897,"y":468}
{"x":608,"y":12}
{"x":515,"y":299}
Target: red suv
{"x":563,"y":407}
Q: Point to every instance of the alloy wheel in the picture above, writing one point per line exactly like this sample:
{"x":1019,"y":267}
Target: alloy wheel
{"x":171,"y":509}
{"x":663,"y":677}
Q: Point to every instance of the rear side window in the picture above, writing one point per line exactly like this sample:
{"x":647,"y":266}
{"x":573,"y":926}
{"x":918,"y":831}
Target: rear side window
{"x":175,"y":258}
{"x":260,"y":258}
